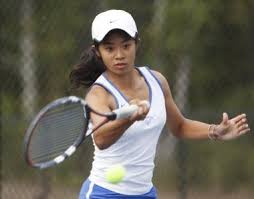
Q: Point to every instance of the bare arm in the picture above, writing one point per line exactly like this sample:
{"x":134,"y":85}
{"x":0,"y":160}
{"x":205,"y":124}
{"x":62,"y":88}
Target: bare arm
{"x":182,"y":127}
{"x":109,"y":133}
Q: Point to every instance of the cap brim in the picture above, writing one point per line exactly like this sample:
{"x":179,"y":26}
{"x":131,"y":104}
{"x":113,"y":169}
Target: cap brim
{"x":105,"y":32}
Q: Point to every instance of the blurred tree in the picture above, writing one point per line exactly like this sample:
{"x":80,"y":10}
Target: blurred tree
{"x":215,"y":36}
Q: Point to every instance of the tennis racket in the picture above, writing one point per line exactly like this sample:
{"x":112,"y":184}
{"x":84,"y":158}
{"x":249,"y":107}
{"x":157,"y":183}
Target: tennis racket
{"x":60,"y":127}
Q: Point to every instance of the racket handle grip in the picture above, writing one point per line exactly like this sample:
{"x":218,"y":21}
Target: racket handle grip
{"x":127,"y":111}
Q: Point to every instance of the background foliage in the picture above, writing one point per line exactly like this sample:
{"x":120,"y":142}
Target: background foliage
{"x":216,"y":39}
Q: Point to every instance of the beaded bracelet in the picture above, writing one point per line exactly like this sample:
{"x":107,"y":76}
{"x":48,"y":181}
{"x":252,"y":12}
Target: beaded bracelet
{"x":211,"y":134}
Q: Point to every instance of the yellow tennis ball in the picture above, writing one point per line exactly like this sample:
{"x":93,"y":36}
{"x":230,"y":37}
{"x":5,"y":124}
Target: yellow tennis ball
{"x":115,"y":174}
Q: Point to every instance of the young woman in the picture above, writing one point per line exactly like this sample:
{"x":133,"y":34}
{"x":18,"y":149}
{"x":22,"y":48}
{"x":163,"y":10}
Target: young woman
{"x":108,"y":68}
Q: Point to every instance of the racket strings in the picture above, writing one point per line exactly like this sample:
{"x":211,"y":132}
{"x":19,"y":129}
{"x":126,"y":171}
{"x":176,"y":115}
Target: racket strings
{"x":57,"y":130}
{"x":63,"y":112}
{"x":58,"y":147}
{"x":75,"y":125}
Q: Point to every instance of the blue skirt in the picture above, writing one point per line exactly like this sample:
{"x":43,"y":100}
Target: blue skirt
{"x":90,"y":190}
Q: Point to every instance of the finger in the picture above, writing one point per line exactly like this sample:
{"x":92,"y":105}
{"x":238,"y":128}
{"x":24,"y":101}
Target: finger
{"x":244,"y":131}
{"x":140,"y":115}
{"x":239,"y":118}
{"x":225,"y":118}
{"x":146,"y":109}
{"x":146,"y":103}
{"x":243,"y":127}
{"x":145,"y":106}
{"x":141,"y":110}
{"x":134,"y":101}
{"x":134,"y":116}
{"x":241,"y":122}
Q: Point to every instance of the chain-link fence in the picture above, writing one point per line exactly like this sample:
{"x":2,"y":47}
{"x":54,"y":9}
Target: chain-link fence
{"x":205,"y":50}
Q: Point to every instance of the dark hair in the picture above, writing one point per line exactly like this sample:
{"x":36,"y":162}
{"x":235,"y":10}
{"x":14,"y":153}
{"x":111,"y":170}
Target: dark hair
{"x":89,"y":68}
{"x":90,"y":65}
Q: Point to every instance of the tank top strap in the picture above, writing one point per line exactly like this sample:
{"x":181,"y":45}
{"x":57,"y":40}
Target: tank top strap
{"x":104,"y":82}
{"x":149,"y":76}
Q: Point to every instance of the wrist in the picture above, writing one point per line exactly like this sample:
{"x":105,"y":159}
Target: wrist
{"x":211,"y":132}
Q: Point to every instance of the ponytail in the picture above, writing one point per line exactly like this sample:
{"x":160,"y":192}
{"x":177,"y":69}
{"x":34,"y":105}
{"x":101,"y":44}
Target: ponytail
{"x":89,"y":68}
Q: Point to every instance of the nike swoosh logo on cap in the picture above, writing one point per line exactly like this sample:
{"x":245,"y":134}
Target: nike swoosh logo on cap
{"x":112,"y":21}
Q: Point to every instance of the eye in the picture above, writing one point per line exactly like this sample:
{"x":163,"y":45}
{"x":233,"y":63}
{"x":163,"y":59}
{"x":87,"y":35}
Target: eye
{"x":126,"y":45}
{"x":109,"y":48}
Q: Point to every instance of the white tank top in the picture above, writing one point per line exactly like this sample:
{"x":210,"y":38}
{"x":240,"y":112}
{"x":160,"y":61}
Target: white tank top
{"x":136,"y":148}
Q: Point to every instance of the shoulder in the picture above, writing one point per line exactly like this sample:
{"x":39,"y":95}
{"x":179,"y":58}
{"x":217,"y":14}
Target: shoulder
{"x":98,"y":96}
{"x":159,"y":76}
{"x":96,"y":91}
{"x":162,"y":80}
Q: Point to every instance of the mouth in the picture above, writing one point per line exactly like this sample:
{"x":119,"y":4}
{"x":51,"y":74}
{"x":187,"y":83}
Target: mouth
{"x":120,"y":65}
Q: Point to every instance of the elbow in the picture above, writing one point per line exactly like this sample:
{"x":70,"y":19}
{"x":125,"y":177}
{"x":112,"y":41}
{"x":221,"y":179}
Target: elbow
{"x":177,"y":134}
{"x":178,"y":130}
{"x":100,"y":143}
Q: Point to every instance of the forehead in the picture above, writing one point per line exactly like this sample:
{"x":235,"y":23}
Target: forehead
{"x":116,"y":35}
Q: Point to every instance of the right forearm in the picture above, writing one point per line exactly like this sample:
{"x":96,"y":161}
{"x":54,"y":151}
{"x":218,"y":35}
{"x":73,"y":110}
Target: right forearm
{"x":109,"y":133}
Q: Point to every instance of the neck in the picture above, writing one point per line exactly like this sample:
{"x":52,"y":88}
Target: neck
{"x":124,"y":81}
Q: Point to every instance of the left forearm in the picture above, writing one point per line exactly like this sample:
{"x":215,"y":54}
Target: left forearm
{"x":190,"y":129}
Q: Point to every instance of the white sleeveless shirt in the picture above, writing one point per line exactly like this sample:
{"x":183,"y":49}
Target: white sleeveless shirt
{"x":136,"y":148}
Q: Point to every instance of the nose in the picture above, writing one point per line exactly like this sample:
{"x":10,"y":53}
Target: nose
{"x":119,"y":54}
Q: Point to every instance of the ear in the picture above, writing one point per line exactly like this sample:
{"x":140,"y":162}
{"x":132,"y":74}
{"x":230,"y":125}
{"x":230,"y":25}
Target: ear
{"x":96,"y":51}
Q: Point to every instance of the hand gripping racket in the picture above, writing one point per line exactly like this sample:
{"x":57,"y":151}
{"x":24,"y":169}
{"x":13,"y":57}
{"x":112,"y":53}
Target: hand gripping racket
{"x":60,"y":127}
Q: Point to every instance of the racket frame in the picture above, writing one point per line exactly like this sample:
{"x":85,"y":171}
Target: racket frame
{"x":68,"y":152}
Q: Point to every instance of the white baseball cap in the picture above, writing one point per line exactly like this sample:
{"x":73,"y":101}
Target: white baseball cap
{"x":110,"y":20}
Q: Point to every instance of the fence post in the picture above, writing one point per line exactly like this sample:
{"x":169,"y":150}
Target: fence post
{"x":181,"y":94}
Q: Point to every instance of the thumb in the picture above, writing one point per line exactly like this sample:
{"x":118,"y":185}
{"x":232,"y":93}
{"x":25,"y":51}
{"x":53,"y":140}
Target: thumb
{"x":225,"y":119}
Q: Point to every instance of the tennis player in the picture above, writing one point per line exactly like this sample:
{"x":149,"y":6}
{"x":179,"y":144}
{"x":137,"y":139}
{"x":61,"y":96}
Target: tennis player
{"x":108,"y":68}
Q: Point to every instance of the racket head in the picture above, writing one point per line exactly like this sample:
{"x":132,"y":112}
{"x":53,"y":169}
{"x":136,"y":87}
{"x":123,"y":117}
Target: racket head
{"x":55,"y":133}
